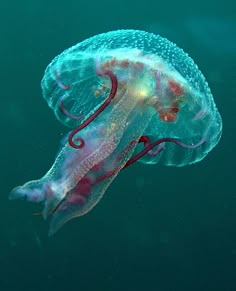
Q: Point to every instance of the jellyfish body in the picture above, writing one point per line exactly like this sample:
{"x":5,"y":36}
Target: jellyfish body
{"x":128,"y":96}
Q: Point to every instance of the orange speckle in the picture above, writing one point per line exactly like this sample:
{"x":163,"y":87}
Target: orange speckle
{"x":168,"y":115}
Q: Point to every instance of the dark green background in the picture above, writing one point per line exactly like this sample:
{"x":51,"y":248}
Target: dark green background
{"x":157,"y":228}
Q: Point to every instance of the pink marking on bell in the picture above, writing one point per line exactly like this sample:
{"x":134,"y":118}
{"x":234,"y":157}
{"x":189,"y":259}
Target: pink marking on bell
{"x":200,"y":114}
{"x":59,"y":82}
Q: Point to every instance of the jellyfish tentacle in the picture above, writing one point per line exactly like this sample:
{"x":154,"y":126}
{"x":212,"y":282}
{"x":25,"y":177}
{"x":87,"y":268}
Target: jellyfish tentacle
{"x":64,"y":87}
{"x":149,"y":146}
{"x":158,"y":150}
{"x":59,"y":82}
{"x":147,"y":149}
{"x":142,"y":139}
{"x":146,"y":140}
{"x":114,"y":85}
{"x":66,"y":112}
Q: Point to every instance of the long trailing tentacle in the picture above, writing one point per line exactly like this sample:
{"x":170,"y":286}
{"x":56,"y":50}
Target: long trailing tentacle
{"x":65,"y":87}
{"x":149,"y":146}
{"x":148,"y":150}
{"x":146,"y":140}
{"x":114,"y":85}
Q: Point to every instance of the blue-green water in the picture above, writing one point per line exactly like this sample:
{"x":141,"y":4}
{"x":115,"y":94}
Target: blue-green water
{"x":157,"y":228}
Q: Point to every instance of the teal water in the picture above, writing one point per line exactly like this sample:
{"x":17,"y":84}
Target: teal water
{"x":157,"y":228}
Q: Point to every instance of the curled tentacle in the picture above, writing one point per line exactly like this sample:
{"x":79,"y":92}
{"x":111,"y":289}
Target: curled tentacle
{"x":66,"y":112}
{"x":59,"y":82}
{"x":114,"y":85}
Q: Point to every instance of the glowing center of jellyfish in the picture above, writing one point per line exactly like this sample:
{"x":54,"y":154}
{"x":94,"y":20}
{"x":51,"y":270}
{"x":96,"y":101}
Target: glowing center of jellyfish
{"x":143,"y":87}
{"x":140,"y":90}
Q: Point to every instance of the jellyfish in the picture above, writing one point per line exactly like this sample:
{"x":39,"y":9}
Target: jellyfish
{"x":126,"y":96}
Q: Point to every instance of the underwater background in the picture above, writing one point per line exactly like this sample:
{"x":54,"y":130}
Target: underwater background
{"x":156,"y":228}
